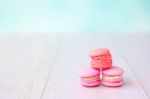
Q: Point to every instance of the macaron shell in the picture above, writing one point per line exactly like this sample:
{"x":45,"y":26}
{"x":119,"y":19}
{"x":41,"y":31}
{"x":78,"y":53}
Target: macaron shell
{"x":106,"y":65}
{"x":96,"y":58}
{"x":89,"y":72}
{"x":100,"y":65}
{"x":96,"y":65}
{"x":113,"y":71}
{"x":98,"y":52}
{"x":96,"y":61}
{"x":110,"y":84}
{"x":90,"y":84}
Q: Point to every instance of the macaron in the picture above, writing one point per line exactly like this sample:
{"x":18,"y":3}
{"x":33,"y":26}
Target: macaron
{"x":89,"y":77}
{"x":101,"y":58}
{"x":98,"y":52}
{"x":112,"y":77}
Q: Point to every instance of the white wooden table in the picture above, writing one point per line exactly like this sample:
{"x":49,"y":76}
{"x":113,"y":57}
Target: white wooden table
{"x":46,"y":66}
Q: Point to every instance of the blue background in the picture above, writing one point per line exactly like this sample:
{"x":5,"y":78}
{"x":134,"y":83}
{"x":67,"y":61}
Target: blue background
{"x":47,"y":16}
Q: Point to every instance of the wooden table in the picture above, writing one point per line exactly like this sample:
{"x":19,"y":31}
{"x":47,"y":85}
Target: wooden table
{"x":46,"y":66}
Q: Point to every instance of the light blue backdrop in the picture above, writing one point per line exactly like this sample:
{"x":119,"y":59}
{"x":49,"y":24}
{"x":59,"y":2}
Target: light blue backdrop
{"x":75,"y":16}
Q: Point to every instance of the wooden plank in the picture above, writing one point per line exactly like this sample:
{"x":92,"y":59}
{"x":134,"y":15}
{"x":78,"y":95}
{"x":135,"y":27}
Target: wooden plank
{"x":46,"y":62}
{"x":24,"y":66}
{"x":64,"y":81}
{"x":135,"y":50}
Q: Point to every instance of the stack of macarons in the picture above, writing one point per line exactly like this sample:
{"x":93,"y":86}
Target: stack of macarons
{"x":101,"y":70}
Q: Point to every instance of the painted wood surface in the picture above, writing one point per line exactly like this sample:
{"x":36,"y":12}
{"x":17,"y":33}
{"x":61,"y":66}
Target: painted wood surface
{"x":46,"y":66}
{"x":135,"y":50}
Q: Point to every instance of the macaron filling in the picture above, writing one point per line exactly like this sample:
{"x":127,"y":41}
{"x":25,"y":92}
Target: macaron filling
{"x":113,"y":79}
{"x":91,"y":78}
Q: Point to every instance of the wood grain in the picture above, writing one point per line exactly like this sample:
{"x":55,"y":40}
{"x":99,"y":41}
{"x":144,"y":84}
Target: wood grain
{"x":46,"y":66}
{"x":135,"y":50}
{"x":64,"y":81}
{"x":24,"y":65}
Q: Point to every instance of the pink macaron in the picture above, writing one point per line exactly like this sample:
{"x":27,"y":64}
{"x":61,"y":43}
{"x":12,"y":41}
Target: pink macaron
{"x":89,"y":77}
{"x":101,"y":58}
{"x":98,"y":52}
{"x":112,"y":77}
